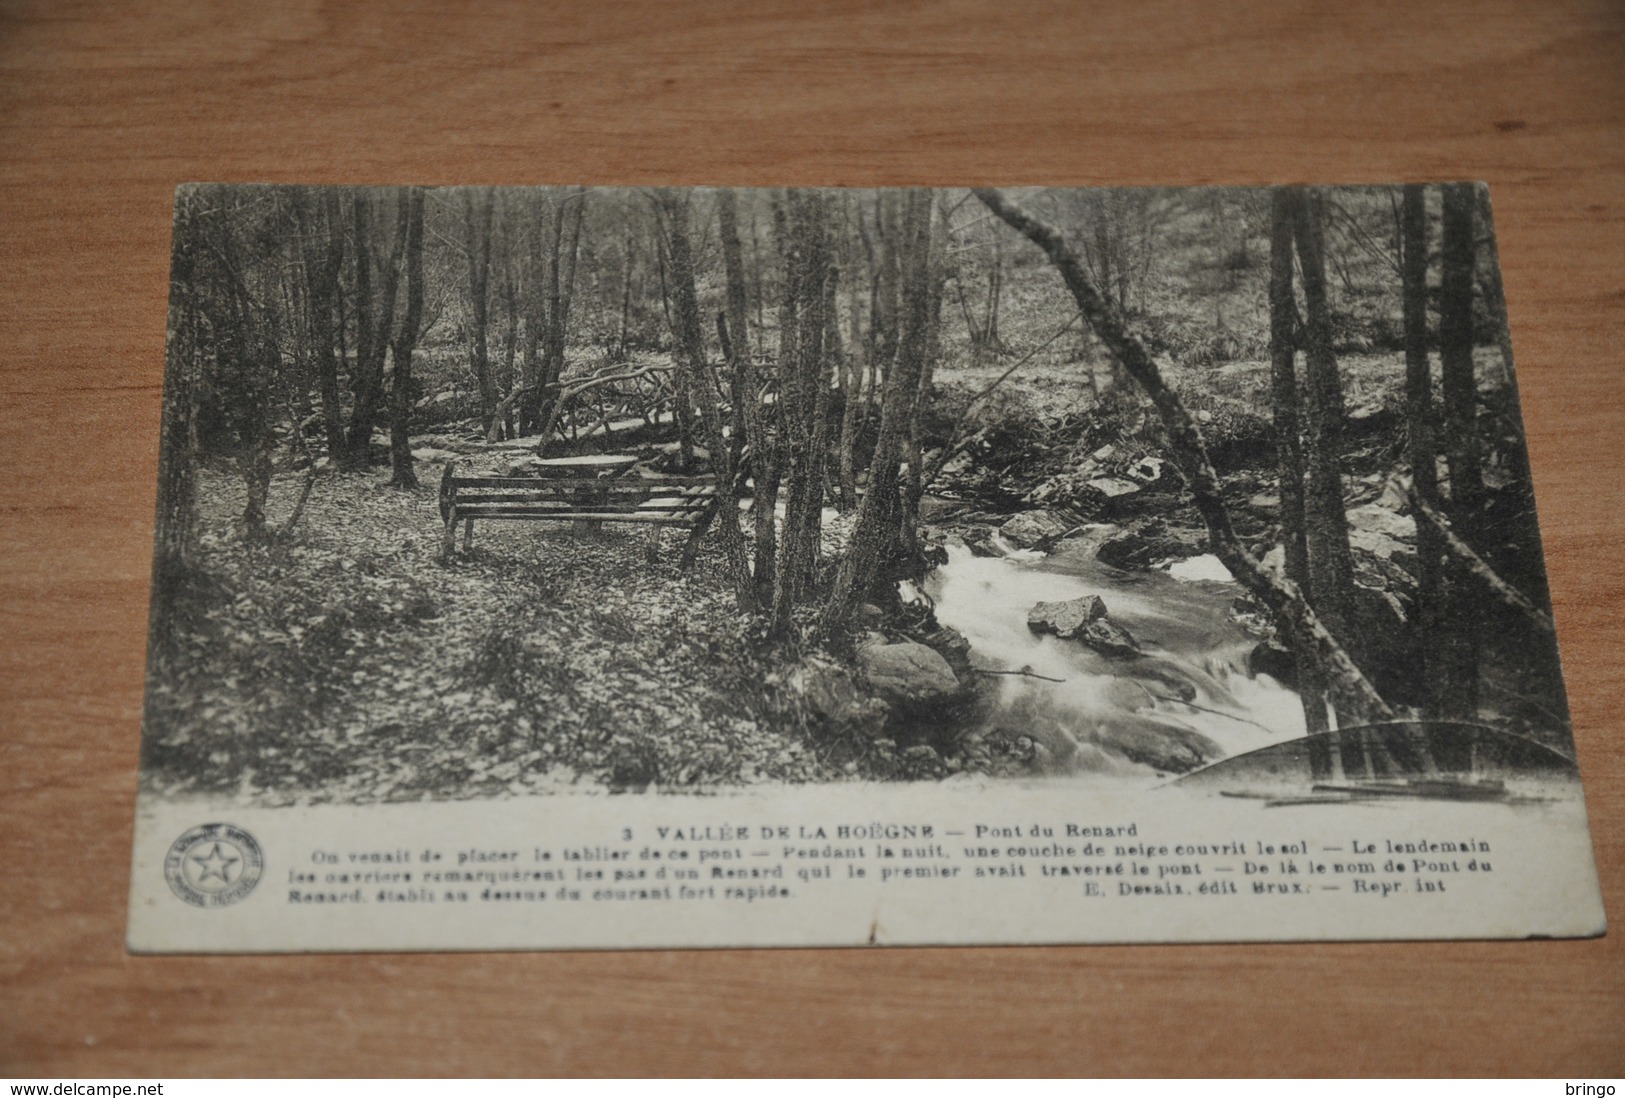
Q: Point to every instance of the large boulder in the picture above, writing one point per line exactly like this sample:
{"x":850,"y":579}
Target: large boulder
{"x":1083,"y":620}
{"x":908,"y":675}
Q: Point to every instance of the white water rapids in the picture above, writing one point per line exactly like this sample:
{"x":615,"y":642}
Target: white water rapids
{"x":1190,"y":694}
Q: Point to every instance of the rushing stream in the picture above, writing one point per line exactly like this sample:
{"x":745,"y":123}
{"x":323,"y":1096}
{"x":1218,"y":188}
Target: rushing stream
{"x":1188,"y":700}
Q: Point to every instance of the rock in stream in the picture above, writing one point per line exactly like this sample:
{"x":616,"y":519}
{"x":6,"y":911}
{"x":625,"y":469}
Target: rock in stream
{"x":1083,"y":620}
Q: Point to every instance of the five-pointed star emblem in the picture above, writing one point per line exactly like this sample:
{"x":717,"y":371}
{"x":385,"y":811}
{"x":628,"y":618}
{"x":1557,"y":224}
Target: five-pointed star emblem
{"x":216,"y":864}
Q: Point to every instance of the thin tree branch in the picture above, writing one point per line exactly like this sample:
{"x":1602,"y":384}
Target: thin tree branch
{"x":1024,"y":672}
{"x":949,"y":452}
{"x":1283,"y":598}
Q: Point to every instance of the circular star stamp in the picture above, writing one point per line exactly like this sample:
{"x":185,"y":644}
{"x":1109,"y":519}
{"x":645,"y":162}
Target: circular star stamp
{"x":214,"y":865}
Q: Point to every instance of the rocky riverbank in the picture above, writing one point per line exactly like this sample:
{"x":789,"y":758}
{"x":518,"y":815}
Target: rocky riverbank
{"x":1119,"y":514}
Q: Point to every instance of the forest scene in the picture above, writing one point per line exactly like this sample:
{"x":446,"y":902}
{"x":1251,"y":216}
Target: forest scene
{"x":474,"y":492}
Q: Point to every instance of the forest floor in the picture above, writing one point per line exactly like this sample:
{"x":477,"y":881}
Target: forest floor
{"x":345,"y":663}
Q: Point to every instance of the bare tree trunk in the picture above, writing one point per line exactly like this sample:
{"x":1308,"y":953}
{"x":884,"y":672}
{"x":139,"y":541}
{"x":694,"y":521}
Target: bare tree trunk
{"x":1348,"y":687}
{"x":363,"y":384}
{"x":529,"y":396}
{"x":1422,"y":449}
{"x":772,"y":464}
{"x":751,"y":419}
{"x":691,"y":344}
{"x":478,"y":206}
{"x":1457,"y":685}
{"x":324,"y":259}
{"x":1288,"y":439}
{"x":1494,"y":295}
{"x":683,"y":410}
{"x":1103,"y":244}
{"x":875,"y":531}
{"x":561,"y":282}
{"x":1456,"y":350}
{"x":803,"y":404}
{"x":733,"y":261}
{"x":626,"y":297}
{"x":909,"y":557}
{"x":177,"y":448}
{"x":756,"y":278}
{"x":374,"y":318}
{"x":1331,"y":564}
{"x":506,"y":383}
{"x":851,"y":379}
{"x":1526,"y":531}
{"x":255,"y":352}
{"x":406,"y":338}
{"x":736,"y":350}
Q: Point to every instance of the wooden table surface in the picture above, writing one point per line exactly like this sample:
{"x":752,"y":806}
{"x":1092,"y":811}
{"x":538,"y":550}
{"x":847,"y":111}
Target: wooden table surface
{"x":104,"y":108}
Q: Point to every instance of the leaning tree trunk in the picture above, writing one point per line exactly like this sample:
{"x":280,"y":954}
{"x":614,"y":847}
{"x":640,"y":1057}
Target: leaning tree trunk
{"x":1348,"y":687}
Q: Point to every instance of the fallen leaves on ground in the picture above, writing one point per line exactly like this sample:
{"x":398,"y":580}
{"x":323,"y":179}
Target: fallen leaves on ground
{"x":345,"y":663}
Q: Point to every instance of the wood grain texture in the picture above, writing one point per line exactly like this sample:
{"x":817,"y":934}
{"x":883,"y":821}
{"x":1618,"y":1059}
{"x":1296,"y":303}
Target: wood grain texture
{"x":104,"y":108}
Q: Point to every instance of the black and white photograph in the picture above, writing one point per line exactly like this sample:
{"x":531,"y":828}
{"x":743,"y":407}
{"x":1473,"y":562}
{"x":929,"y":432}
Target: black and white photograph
{"x":1214,"y":502}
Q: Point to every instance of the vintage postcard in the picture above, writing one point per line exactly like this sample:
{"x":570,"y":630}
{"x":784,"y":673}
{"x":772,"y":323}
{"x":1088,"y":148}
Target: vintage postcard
{"x":585,"y":567}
